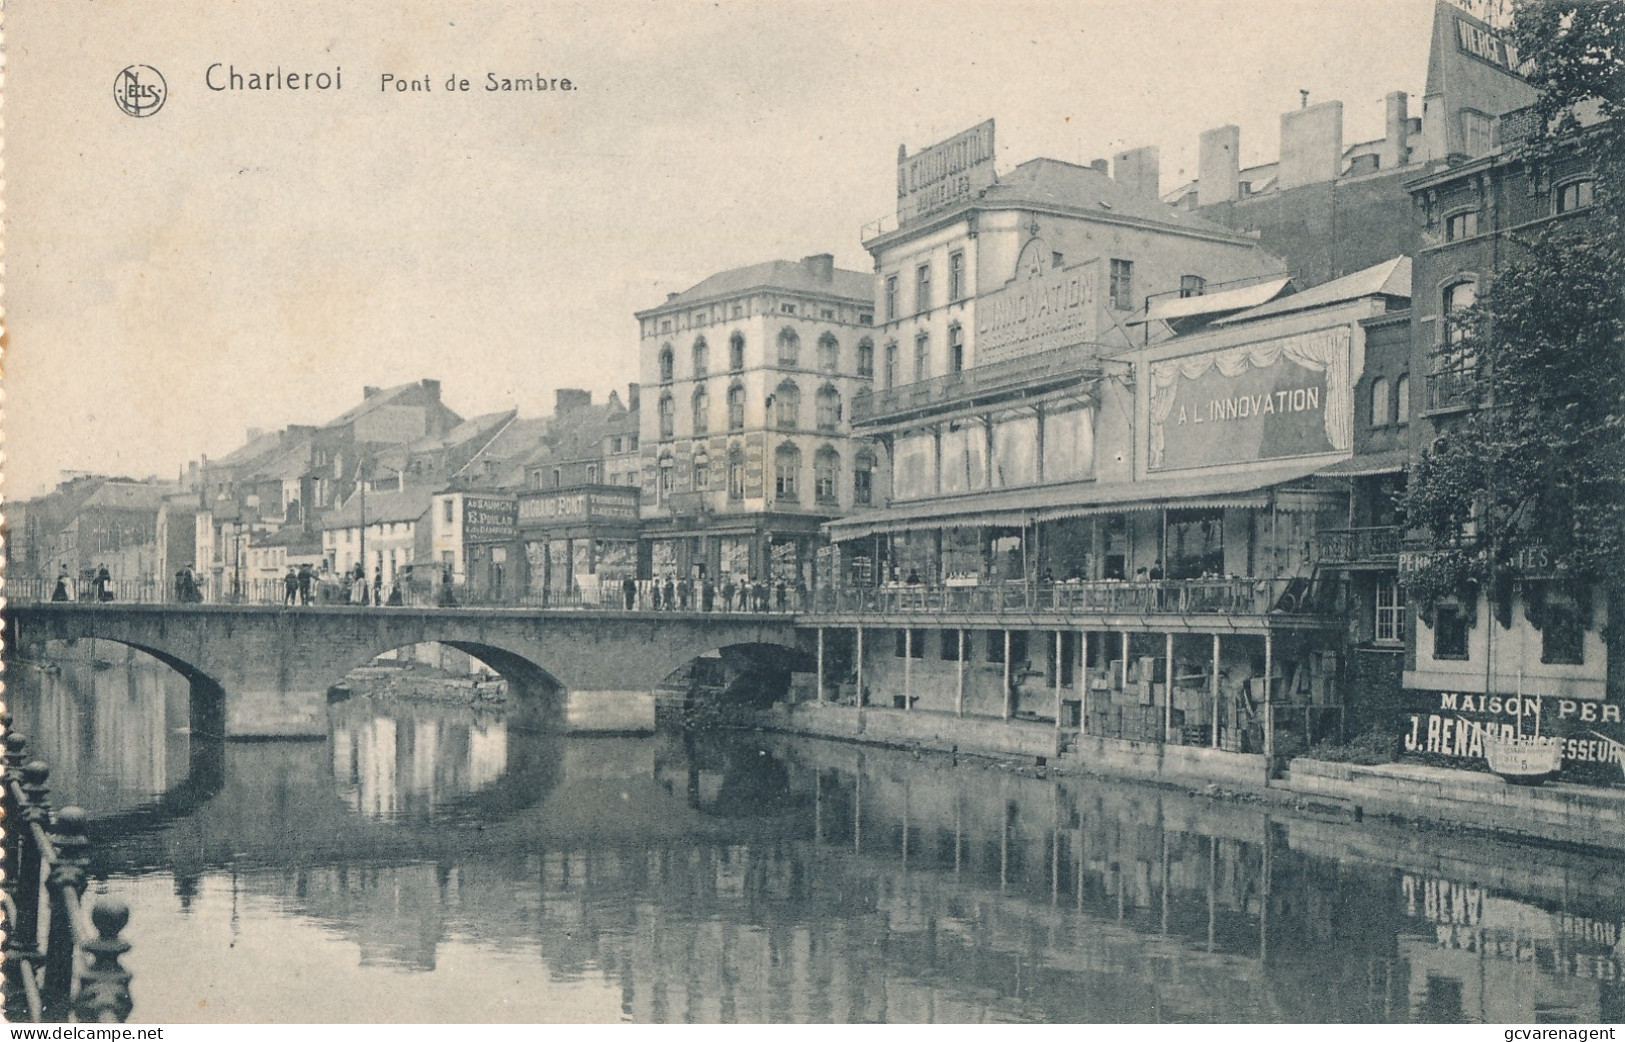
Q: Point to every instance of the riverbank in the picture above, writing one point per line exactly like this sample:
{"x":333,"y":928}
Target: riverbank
{"x":1562,"y":813}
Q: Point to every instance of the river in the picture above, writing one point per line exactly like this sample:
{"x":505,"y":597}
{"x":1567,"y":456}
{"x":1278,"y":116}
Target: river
{"x":428,"y":863}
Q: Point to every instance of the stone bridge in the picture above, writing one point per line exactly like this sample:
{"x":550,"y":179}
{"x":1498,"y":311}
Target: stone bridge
{"x":261,"y":671}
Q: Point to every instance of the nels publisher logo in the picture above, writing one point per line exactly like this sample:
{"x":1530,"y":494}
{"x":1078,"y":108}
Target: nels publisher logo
{"x":140,"y":90}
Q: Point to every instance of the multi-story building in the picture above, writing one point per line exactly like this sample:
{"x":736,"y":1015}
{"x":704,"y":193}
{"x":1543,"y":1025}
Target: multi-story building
{"x":1546,"y":639}
{"x":748,"y":447}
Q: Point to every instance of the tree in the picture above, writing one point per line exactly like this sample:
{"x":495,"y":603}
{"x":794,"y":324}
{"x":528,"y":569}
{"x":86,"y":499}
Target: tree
{"x":1537,"y":476}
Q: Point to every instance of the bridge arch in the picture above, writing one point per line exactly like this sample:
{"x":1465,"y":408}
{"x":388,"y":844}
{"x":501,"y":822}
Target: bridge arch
{"x":537,"y":697}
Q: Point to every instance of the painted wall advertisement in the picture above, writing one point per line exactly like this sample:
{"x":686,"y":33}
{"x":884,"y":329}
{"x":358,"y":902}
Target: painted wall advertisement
{"x":1041,"y":309}
{"x":1277,"y":399}
{"x":1457,"y":724}
{"x":489,"y":517}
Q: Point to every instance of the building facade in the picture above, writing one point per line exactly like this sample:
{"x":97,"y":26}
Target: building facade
{"x":747,"y":447}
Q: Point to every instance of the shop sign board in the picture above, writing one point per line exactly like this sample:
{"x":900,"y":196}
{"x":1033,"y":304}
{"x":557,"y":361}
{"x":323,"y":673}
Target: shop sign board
{"x":1477,"y":40}
{"x":1276,"y":399}
{"x":489,"y":517}
{"x":946,"y":173}
{"x":1041,"y":309}
{"x":1457,"y":725}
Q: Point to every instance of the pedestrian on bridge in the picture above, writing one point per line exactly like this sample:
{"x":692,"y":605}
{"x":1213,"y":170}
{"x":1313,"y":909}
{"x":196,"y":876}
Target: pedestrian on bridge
{"x":708,"y":594}
{"x":305,"y":580}
{"x":744,"y":593}
{"x":727,"y":591}
{"x":685,"y":593}
{"x":629,"y":592}
{"x":290,"y":587}
{"x":61,"y":592}
{"x":781,"y":596}
{"x":671,"y":594}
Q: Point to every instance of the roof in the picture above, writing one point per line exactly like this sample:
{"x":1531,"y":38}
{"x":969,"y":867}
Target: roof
{"x":382,"y":508}
{"x":254,"y":450}
{"x":1391,"y":278}
{"x":129,"y":495}
{"x":1238,"y":299}
{"x":466,"y":431}
{"x":792,"y":276}
{"x":1391,"y":461}
{"x":1242,"y":488}
{"x":1053,"y":182}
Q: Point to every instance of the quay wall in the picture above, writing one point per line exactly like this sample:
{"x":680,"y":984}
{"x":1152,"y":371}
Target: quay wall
{"x":1562,"y":813}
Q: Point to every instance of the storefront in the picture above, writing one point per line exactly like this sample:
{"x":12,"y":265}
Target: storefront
{"x":578,"y":540}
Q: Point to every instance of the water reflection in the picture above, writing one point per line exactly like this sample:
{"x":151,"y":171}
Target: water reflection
{"x":426,"y":863}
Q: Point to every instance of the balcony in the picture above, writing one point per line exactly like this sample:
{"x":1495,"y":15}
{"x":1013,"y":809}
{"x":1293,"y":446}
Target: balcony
{"x":1356,"y":546}
{"x":983,"y":383}
{"x":1455,"y":389}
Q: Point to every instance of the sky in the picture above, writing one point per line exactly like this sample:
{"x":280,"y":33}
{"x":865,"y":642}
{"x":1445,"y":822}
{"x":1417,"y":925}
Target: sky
{"x":250,"y":259}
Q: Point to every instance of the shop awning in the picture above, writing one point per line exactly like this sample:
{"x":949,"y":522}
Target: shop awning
{"x":1016,"y":507}
{"x":1394,"y":461}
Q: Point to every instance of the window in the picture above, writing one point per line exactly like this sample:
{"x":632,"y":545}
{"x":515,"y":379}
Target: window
{"x":911,"y":643}
{"x":615,"y":445}
{"x":826,"y":476}
{"x":736,"y":473}
{"x":1562,"y":633}
{"x":863,"y":471}
{"x":736,"y":353}
{"x":827,"y":313}
{"x":701,"y":358}
{"x":666,"y":364}
{"x":702,"y":473}
{"x":736,"y":407}
{"x":889,"y":375}
{"x":1450,"y":633}
{"x":558,"y":477}
{"x":786,"y":472}
{"x":956,"y":348}
{"x":668,"y":424}
{"x":1458,"y":354}
{"x":1402,"y":399}
{"x":592,"y":473}
{"x":739,"y":311}
{"x":1463,"y":225}
{"x":829,"y":353}
{"x":451,"y":511}
{"x":789,"y":347}
{"x":1122,"y":285}
{"x":891,"y":297}
{"x":788,"y":309}
{"x":1576,"y":195}
{"x":956,"y":275}
{"x":1475,"y":132}
{"x":1379,"y":402}
{"x":787,"y":406}
{"x":922,"y":288}
{"x":922,"y":356}
{"x":1018,"y":646}
{"x":828,"y":408}
{"x":702,"y":411}
{"x":665,"y":325}
{"x":950,"y":644}
{"x":665,"y":478}
{"x":866,"y":318}
{"x":1191,"y":286}
{"x":866,"y":358}
{"x":1390,"y":622}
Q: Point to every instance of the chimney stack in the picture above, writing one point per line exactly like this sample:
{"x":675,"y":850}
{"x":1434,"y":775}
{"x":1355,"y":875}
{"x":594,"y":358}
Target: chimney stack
{"x":1311,"y":145}
{"x":1099,"y":166}
{"x":569,"y":399}
{"x":1139,"y":170}
{"x":1218,"y":165}
{"x":1394,"y":150}
{"x":632,"y":391}
{"x":822,"y":265}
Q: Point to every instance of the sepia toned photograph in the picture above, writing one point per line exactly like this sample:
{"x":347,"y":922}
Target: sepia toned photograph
{"x":814,"y":512}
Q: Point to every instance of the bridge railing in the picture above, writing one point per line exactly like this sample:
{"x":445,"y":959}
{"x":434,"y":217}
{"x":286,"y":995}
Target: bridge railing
{"x":60,"y":963}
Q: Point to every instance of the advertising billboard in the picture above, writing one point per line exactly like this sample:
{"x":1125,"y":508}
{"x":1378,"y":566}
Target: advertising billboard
{"x":946,"y":173}
{"x":1277,"y":399}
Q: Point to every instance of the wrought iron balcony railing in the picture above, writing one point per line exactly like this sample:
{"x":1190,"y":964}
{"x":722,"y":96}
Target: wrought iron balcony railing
{"x":1455,"y":389}
{"x":1360,"y":545}
{"x":976,"y":383}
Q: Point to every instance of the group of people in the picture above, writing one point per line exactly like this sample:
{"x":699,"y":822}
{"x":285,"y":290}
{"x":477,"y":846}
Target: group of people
{"x":356,"y":589}
{"x":675,"y":594}
{"x":97,"y":585}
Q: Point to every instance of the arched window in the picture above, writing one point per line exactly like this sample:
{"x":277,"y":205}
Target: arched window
{"x":668,"y":417}
{"x":956,"y":348}
{"x":1458,"y":298}
{"x":736,"y":472}
{"x":1379,"y":402}
{"x":866,"y":358}
{"x":789,"y":347}
{"x":787,"y":472}
{"x":736,"y":407}
{"x":702,"y":411}
{"x":736,"y":353}
{"x":702,"y":472}
{"x":702,"y":360}
{"x":826,"y":476}
{"x":666,"y":364}
{"x":829,"y":353}
{"x":829,"y":408}
{"x":888,"y":376}
{"x":1402,"y":399}
{"x":787,"y":406}
{"x":863,"y":478}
